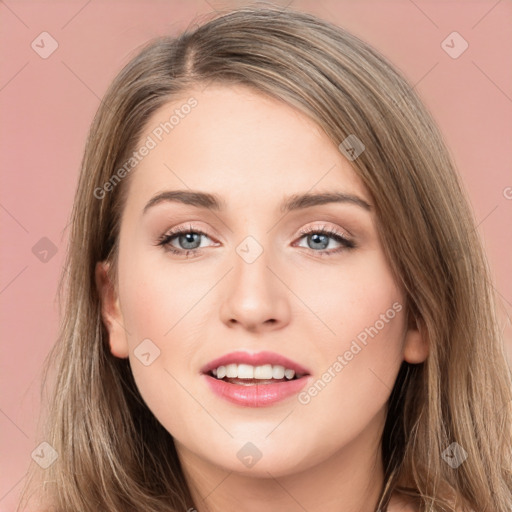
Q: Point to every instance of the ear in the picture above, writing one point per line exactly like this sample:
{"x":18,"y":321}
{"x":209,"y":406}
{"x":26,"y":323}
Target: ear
{"x":111,"y":312}
{"x":416,"y":344}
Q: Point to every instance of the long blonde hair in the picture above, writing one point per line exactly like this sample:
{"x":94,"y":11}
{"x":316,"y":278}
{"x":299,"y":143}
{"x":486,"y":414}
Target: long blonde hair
{"x":462,"y":393}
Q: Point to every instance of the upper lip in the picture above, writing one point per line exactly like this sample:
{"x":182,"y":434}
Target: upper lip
{"x":255,"y":359}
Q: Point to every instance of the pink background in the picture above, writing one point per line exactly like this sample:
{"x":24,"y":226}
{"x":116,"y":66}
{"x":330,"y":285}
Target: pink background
{"x":48,"y":104}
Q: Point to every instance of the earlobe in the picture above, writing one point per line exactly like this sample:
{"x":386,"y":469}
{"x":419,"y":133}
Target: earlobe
{"x":416,"y":344}
{"x":110,"y":311}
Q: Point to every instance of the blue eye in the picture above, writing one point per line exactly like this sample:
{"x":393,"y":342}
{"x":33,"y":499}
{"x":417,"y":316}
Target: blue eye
{"x":320,"y":239}
{"x":189,"y":237}
{"x":190,"y":240}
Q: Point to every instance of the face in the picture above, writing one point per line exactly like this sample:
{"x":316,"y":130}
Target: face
{"x":306,"y":287}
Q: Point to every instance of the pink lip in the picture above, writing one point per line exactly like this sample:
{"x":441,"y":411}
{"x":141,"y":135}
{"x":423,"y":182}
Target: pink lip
{"x":257,"y":395}
{"x":258,"y":359}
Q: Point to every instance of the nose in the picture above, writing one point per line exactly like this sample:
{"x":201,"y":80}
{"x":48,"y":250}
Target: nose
{"x":255,"y":297}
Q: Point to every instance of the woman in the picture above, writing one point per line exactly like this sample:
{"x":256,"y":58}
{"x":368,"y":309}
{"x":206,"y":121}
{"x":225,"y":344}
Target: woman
{"x":276,"y":293}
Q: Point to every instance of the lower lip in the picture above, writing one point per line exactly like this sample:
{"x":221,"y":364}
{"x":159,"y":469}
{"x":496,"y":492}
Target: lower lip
{"x":257,"y":395}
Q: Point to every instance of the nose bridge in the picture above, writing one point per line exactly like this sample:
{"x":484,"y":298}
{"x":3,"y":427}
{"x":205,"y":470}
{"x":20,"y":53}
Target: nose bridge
{"x":253,"y":252}
{"x":252,"y":277}
{"x":254,"y":297}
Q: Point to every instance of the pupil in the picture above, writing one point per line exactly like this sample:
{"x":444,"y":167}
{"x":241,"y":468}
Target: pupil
{"x":315,"y":238}
{"x":188,"y":238}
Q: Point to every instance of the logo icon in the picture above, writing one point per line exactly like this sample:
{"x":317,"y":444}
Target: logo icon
{"x":146,"y":352}
{"x":249,"y":454}
{"x":454,"y":45}
{"x":249,"y":249}
{"x":44,"y":45}
{"x":351,"y":147}
{"x":44,"y":250}
{"x":45,"y":455}
{"x":454,"y":455}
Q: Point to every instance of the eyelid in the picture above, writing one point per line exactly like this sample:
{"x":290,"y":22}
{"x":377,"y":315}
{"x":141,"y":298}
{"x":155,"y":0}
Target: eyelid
{"x":183,"y":229}
{"x":328,"y":228}
{"x":190,"y":227}
{"x":333,"y":232}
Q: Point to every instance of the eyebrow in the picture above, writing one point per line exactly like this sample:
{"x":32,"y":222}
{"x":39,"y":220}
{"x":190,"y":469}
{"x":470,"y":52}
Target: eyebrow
{"x":290,"y":203}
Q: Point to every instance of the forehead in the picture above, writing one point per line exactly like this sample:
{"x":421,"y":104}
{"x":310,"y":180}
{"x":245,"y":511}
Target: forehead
{"x":240,"y":144}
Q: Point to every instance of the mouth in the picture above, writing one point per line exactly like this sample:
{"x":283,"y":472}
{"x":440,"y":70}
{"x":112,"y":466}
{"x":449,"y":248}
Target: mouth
{"x":255,"y":380}
{"x":254,"y":368}
{"x":249,"y":375}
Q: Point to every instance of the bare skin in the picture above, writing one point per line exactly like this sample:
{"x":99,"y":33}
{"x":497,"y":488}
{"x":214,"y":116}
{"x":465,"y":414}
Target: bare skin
{"x":321,"y":454}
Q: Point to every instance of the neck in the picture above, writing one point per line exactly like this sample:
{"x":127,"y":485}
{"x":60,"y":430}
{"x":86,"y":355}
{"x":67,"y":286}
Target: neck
{"x":350,"y":480}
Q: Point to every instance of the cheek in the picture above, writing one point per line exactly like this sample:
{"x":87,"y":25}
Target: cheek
{"x":359,"y":339}
{"x":348,"y":301}
{"x":163,"y":315}
{"x":158,"y":298}
{"x":162,"y":312}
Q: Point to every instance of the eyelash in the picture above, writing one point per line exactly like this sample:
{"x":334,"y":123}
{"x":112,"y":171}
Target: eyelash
{"x":166,"y":239}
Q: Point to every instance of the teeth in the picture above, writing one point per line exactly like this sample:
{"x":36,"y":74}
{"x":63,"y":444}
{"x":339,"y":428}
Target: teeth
{"x":278,"y":372}
{"x":231,"y":370}
{"x":247,"y":371}
{"x":289,"y":374}
{"x":263,"y":372}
